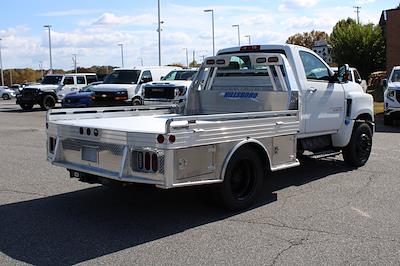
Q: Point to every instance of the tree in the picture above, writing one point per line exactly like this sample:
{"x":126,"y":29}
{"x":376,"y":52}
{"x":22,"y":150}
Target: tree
{"x":360,"y":46}
{"x":308,"y":39}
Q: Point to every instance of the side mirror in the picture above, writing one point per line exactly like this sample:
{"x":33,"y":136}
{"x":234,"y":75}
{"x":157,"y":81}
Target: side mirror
{"x":385,"y":83}
{"x":344,"y":73}
{"x":162,"y":77}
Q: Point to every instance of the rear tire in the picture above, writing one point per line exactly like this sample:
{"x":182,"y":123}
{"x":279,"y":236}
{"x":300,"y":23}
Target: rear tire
{"x":387,"y":120}
{"x":26,"y":106}
{"x":6,"y":96}
{"x":243,"y":180}
{"x":136,"y":102}
{"x":357,"y":152}
{"x":48,"y":102}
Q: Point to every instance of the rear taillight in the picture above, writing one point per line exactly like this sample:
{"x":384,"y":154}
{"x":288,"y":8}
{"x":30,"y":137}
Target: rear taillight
{"x":147,"y":162}
{"x":154,"y":162}
{"x":140,"y":160}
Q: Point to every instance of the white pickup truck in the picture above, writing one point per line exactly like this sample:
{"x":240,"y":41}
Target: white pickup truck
{"x":171,"y":89}
{"x":250,"y":110}
{"x":392,"y":97}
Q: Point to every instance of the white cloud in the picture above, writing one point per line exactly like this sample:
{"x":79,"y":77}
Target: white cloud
{"x":295,"y":4}
{"x":110,"y":19}
{"x":70,"y":12}
{"x":363,"y":2}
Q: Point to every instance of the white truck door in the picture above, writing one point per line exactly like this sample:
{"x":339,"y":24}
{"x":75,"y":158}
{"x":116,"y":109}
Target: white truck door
{"x":324,"y":100}
{"x":69,"y":85}
{"x":80,"y":82}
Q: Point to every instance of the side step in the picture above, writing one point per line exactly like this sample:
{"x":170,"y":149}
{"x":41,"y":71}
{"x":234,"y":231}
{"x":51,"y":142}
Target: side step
{"x":323,"y":154}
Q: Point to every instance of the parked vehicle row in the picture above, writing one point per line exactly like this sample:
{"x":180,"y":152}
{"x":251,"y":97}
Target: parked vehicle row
{"x":92,"y":95}
{"x":132,"y":79}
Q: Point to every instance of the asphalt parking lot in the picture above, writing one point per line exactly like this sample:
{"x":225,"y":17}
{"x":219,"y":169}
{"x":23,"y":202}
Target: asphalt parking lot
{"x":322,"y":213}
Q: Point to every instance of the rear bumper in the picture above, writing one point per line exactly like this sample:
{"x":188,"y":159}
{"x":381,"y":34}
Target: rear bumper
{"x":393,"y":113}
{"x":28,"y":100}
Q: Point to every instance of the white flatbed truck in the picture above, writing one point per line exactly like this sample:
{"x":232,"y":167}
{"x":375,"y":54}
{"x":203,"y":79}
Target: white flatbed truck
{"x":250,"y":110}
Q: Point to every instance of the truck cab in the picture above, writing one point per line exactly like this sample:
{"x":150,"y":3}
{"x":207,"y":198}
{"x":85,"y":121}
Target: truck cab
{"x":392,"y":97}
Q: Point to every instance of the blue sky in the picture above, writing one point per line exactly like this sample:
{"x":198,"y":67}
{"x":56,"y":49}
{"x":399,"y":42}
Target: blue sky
{"x":92,"y":29}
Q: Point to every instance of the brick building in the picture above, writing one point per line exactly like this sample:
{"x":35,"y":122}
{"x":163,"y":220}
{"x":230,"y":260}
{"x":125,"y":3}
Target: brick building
{"x":390,"y":24}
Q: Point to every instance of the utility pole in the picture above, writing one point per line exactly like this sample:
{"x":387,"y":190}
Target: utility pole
{"x":11,"y":81}
{"x":357,"y":10}
{"x":1,"y":66}
{"x":75,"y":64}
{"x":51,"y":59}
{"x":141,"y":60}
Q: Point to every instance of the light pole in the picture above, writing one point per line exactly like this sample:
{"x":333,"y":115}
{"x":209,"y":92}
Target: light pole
{"x":122,"y":53}
{"x":238,"y":30}
{"x":159,"y":33}
{"x":51,"y":59}
{"x":74,"y":61}
{"x":213,"y":27}
{"x":249,"y":37}
{"x":141,"y":60}
{"x":11,"y":77}
{"x":187,"y":57}
{"x":41,"y":67}
{"x":1,"y":66}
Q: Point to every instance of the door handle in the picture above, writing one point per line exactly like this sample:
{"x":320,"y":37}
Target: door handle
{"x":312,"y":90}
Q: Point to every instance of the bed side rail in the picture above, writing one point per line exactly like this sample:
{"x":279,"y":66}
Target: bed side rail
{"x":107,"y":112}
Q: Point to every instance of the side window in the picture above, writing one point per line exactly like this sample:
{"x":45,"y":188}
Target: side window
{"x":80,"y":80}
{"x":91,"y":78}
{"x":147,"y":76}
{"x":357,"y":76}
{"x":314,"y":68}
{"x":68,"y":81}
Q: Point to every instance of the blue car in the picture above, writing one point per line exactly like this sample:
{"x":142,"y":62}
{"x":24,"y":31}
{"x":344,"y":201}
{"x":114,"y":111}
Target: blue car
{"x":90,"y":96}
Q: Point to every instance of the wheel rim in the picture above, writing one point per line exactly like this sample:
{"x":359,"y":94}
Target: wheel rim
{"x":243,"y":179}
{"x":364,"y":145}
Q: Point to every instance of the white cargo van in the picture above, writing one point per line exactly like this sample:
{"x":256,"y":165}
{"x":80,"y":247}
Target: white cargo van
{"x":132,"y":79}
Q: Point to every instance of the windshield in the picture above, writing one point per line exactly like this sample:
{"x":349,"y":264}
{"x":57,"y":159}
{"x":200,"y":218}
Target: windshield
{"x":88,"y":88}
{"x":123,"y":77}
{"x":180,"y":75}
{"x":52,"y":80}
{"x":396,"y":76}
